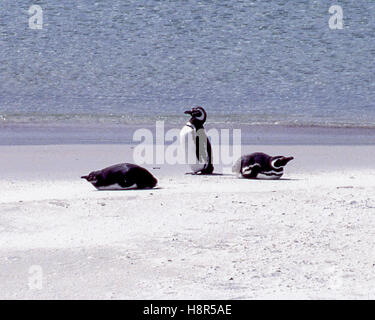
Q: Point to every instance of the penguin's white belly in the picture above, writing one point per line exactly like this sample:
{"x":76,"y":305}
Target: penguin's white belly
{"x":116,"y":186}
{"x":187,"y":142}
{"x":270,"y":175}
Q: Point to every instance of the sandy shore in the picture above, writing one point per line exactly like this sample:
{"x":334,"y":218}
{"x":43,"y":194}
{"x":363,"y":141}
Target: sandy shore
{"x":310,"y":235}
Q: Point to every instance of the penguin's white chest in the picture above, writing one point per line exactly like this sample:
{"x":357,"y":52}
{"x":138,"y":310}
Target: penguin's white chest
{"x":187,"y":132}
{"x":188,"y":143}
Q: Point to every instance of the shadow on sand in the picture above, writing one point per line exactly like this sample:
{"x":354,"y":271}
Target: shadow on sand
{"x":130,"y":189}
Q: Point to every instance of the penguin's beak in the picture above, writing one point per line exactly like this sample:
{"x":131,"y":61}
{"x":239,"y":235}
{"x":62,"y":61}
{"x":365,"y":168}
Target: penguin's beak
{"x":287,"y":159}
{"x":188,"y":112}
{"x":85,"y":177}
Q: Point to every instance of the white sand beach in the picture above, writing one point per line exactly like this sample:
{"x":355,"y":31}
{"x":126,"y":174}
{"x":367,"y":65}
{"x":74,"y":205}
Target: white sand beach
{"x":310,"y":235}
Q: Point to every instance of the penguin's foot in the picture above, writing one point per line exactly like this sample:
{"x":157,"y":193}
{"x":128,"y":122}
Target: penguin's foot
{"x":208,"y":170}
{"x":196,"y":173}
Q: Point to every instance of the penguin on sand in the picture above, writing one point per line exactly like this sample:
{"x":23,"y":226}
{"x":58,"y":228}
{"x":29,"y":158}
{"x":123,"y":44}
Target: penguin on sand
{"x":121,"y":177}
{"x":194,"y":140}
{"x":260,"y":165}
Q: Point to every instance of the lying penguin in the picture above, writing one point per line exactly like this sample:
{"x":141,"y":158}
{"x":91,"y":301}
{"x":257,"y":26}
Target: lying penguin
{"x":260,"y":165}
{"x":120,"y":177}
{"x":194,"y":140}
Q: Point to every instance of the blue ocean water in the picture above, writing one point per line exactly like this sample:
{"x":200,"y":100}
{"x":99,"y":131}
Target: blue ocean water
{"x":134,"y":61}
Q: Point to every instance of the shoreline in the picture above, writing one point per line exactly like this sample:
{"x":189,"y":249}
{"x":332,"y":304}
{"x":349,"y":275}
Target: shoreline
{"x":66,"y":162}
{"x":52,"y":134}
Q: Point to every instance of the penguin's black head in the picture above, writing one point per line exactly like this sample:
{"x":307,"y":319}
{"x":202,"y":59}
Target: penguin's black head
{"x":92,"y":177}
{"x":280,"y":161}
{"x":198,"y":115}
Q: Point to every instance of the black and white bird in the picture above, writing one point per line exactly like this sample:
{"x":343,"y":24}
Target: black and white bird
{"x":260,"y":165}
{"x":194,"y":140}
{"x":120,"y":177}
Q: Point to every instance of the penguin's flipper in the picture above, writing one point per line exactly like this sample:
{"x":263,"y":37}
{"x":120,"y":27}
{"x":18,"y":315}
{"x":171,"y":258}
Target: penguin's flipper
{"x":251,"y":172}
{"x":254,"y":173}
{"x":210,"y":168}
{"x":204,"y":153}
{"x":126,"y":183}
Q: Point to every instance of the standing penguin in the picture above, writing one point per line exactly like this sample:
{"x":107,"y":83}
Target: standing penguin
{"x":261,"y":165}
{"x":194,"y":140}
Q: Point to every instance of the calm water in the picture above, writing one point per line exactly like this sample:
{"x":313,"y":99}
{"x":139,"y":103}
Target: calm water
{"x":133,"y":61}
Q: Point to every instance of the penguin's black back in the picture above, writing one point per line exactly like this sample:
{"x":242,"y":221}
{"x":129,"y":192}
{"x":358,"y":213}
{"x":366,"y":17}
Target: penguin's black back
{"x":258,"y":157}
